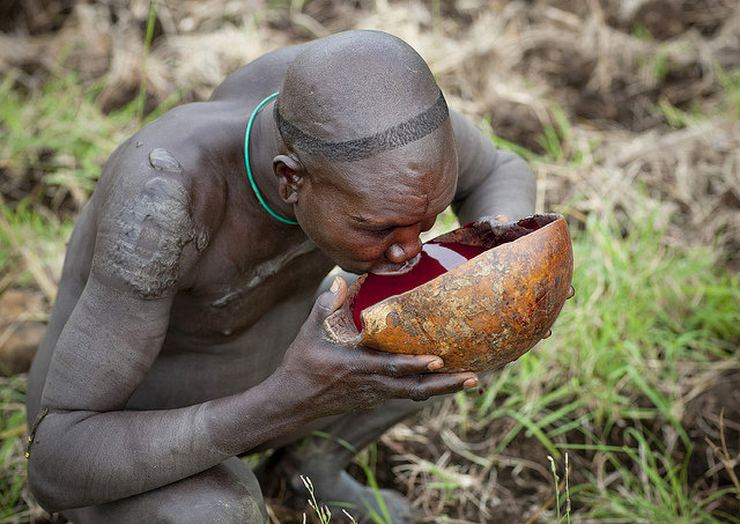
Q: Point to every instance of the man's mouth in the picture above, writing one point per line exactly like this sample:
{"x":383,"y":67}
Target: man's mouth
{"x":396,"y":269}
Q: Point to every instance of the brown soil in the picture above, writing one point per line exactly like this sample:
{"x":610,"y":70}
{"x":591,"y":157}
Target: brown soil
{"x":615,"y":70}
{"x":713,"y":421}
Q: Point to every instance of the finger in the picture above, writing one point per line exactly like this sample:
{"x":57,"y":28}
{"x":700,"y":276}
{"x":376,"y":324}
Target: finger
{"x":331,"y":300}
{"x":427,"y":386}
{"x":399,"y":365}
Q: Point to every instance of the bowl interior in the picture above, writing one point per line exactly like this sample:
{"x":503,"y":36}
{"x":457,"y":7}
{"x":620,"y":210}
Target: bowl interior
{"x":439,"y":256}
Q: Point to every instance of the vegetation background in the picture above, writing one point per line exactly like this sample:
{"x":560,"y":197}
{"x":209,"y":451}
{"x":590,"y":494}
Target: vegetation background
{"x":628,"y":113}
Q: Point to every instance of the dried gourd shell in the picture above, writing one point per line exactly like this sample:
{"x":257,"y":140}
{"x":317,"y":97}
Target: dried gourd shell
{"x":482,"y":314}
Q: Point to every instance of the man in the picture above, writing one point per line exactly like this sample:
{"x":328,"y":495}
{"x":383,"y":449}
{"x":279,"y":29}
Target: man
{"x":184,"y":334}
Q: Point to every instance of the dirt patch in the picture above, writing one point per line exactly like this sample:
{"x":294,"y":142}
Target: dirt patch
{"x":615,"y":101}
{"x":713,"y":422}
{"x":22,"y":328}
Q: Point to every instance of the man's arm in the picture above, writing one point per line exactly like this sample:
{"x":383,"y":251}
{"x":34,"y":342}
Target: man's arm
{"x":86,"y":449}
{"x":491,"y":182}
{"x":89,"y":451}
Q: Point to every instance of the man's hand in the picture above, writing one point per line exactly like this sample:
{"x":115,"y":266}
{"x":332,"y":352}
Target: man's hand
{"x":330,"y":379}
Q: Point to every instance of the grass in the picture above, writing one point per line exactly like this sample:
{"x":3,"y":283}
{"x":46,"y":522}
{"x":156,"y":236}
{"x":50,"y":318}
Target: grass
{"x":32,"y":247}
{"x":367,"y":461}
{"x":607,"y":387}
{"x":59,"y":136}
{"x":730,"y":81}
{"x":558,"y":488}
{"x":12,"y":462}
{"x":589,"y":426}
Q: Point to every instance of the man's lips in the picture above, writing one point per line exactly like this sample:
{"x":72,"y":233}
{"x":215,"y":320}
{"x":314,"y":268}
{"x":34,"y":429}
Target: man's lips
{"x":396,"y":269}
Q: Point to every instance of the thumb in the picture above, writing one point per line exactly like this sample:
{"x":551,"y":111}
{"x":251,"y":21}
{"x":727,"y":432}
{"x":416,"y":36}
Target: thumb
{"x":331,"y":300}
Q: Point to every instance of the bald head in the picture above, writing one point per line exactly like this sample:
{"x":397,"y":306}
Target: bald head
{"x":356,"y":94}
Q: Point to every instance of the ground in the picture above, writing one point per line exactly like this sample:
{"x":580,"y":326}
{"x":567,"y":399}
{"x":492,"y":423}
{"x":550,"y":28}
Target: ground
{"x":627,"y":112}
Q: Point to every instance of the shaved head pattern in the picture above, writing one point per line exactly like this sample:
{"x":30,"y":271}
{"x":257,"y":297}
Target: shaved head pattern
{"x":355,"y":94}
{"x":393,"y":137}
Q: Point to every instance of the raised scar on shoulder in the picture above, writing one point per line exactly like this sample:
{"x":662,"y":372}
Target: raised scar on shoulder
{"x":162,"y":160}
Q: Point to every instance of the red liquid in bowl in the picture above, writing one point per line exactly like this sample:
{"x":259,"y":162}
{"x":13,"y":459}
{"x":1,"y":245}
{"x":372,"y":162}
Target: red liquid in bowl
{"x":435,"y":259}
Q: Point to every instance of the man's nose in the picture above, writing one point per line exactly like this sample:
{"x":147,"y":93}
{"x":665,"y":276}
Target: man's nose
{"x":400,"y":252}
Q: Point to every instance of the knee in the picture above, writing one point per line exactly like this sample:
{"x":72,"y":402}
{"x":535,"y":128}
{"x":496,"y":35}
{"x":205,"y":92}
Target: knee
{"x":222,"y":498}
{"x":218,"y":506}
{"x":224,"y":494}
{"x":240,"y":506}
{"x":231,"y":507}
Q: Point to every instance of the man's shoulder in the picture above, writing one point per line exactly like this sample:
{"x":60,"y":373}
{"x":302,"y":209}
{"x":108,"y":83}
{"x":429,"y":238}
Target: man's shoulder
{"x":158,"y":208}
{"x":169,"y":160}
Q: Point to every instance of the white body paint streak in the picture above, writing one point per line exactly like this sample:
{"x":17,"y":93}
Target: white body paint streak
{"x":264,"y":271}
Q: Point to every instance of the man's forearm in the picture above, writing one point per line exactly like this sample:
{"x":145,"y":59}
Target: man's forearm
{"x":509,"y":190}
{"x":81,"y":458}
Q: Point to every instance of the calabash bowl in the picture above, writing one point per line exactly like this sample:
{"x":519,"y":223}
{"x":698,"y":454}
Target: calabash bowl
{"x":483,"y":313}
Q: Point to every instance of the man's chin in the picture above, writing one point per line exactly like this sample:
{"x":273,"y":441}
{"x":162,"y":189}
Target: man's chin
{"x":351,"y":270}
{"x":347,"y":268}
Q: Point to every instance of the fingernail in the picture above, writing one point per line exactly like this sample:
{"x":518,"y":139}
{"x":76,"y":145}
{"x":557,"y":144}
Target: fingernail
{"x":548,"y":334}
{"x":571,"y":292}
{"x":334,"y":285}
{"x":435,"y":364}
{"x":470,"y":383}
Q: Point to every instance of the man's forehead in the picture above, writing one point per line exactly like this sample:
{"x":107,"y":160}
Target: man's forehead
{"x":369,"y":203}
{"x":377,"y":212}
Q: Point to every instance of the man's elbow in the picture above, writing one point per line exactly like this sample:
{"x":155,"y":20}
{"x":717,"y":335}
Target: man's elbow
{"x":513,"y":178}
{"x":46,"y":486}
{"x":517,"y":168}
{"x":52,"y":467}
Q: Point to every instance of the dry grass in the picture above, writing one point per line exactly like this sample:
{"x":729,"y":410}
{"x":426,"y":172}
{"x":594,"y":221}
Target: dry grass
{"x":627,"y":111}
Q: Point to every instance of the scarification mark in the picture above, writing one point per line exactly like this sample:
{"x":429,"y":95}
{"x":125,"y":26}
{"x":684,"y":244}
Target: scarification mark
{"x":262,"y":272}
{"x":152,"y":231}
{"x":162,"y":160}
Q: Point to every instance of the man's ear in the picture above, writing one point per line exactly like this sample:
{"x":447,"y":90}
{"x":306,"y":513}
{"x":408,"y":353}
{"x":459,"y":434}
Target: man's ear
{"x":290,"y":174}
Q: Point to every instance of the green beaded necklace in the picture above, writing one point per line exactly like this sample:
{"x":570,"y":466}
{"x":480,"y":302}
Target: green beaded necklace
{"x":249,"y":169}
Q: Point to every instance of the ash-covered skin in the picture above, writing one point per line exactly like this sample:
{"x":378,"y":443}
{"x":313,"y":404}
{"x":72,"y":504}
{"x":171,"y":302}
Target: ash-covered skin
{"x":151,"y":391}
{"x":151,"y":231}
{"x":262,"y":272}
